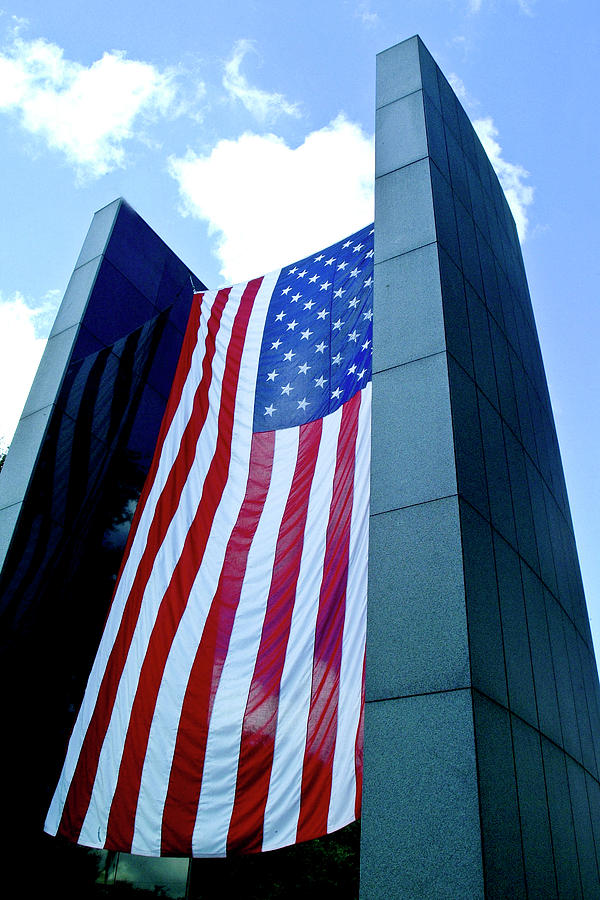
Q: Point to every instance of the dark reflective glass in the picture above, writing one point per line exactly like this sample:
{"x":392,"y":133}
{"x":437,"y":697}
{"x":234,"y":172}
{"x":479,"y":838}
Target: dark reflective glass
{"x":61,"y":567}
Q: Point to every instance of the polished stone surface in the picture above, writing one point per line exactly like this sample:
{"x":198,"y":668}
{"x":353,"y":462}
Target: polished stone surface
{"x":471,"y":537}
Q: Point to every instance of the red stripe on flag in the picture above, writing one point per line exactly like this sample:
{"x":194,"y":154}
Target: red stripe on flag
{"x":171,"y":492}
{"x":121,"y":819}
{"x":322,"y":718}
{"x":80,"y":789}
{"x":358,"y":748}
{"x":190,"y":341}
{"x":260,"y":718}
{"x":187,"y":767}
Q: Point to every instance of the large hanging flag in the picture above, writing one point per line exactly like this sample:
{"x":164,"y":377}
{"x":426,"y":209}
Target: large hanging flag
{"x":224,"y":709}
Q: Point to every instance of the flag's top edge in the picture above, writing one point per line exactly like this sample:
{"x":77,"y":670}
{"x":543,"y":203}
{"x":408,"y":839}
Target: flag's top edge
{"x":330,"y":249}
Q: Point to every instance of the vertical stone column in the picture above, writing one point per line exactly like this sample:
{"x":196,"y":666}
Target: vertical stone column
{"x":420,"y":824}
{"x":482,"y":726}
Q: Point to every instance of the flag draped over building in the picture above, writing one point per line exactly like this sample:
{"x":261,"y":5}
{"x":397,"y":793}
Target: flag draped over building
{"x":224,"y":709}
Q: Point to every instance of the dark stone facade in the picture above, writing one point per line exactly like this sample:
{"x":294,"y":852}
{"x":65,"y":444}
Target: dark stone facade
{"x":72,"y":476}
{"x":482,"y":753}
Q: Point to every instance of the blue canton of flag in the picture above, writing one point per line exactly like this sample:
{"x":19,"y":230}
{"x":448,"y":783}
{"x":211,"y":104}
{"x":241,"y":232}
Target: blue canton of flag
{"x":317,"y":344}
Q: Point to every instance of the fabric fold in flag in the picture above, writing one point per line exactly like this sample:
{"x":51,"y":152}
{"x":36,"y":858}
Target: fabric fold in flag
{"x":224,"y":710}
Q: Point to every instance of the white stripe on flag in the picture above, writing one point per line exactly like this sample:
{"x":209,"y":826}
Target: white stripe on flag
{"x":343,"y":788}
{"x":168,"y":454}
{"x":161,"y":743}
{"x":221,"y":760}
{"x":94,"y":825}
{"x":223,"y":712}
{"x":283,"y":801}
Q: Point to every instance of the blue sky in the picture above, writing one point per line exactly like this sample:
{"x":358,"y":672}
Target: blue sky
{"x":243,"y":133}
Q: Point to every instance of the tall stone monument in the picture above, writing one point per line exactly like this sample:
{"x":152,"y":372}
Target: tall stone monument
{"x":482,"y":724}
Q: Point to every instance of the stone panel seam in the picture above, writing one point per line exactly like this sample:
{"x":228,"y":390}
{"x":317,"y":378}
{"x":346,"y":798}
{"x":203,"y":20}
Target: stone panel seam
{"x":398,"y":99}
{"x":536,"y":729}
{"x":36,"y":412}
{"x":455,"y":690}
{"x":580,"y":763}
{"x":519,"y":555}
{"x":499,"y":261}
{"x":88,"y":261}
{"x":517,"y":438}
{"x":64,"y":330}
{"x":464,"y":591}
{"x":405,"y":252}
{"x":544,"y":401}
{"x":383,"y":512}
{"x":405,"y":166}
{"x":409,"y":362}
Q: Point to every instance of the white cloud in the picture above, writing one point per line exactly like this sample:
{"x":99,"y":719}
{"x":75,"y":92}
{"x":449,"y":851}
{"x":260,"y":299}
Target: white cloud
{"x":366,"y":14}
{"x":262,"y":104}
{"x":458,"y":86}
{"x":85,"y":112}
{"x":511,"y":175}
{"x":526,"y":6}
{"x":22,"y":341}
{"x":270,"y":204}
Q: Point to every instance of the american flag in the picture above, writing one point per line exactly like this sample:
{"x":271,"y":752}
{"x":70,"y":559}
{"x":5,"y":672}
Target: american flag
{"x":225,"y":705}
